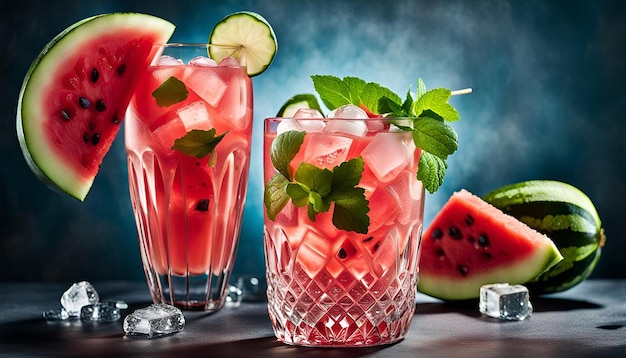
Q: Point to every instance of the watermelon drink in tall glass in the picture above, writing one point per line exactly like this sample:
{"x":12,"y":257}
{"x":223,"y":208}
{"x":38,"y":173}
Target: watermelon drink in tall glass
{"x":187,"y":133}
{"x":343,"y":221}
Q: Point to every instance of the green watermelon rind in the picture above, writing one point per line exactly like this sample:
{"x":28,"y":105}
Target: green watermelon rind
{"x":30,"y":117}
{"x":566,"y":215}
{"x":450,"y":289}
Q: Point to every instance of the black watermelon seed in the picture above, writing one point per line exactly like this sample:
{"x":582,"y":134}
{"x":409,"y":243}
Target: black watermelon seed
{"x":462,"y":269}
{"x":471,"y":239}
{"x":121,"y":69}
{"x":342,"y":254}
{"x":84,"y":102}
{"x":369,"y":239}
{"x":115,"y":119}
{"x":437,"y":234}
{"x":202,"y":205}
{"x":95,"y":75}
{"x":376,"y":246}
{"x":455,"y":233}
{"x":95,"y":138}
{"x":100,"y":106}
{"x":483,"y":240}
{"x":440,"y":253}
{"x":469,"y":220}
{"x":486,"y":255}
{"x":65,"y":114}
{"x":86,"y":137}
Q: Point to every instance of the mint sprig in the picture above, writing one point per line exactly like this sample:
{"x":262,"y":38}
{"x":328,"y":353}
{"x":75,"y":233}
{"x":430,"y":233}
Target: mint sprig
{"x":429,"y":111}
{"x":316,"y":188}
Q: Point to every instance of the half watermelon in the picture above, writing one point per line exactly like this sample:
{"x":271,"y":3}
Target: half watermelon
{"x":471,"y":243}
{"x":75,"y":94}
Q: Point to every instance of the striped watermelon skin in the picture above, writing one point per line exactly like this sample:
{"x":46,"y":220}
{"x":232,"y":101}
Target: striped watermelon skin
{"x":564,"y":214}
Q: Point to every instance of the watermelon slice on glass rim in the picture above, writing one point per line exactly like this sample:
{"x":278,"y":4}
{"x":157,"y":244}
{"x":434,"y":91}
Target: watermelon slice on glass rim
{"x":75,"y":94}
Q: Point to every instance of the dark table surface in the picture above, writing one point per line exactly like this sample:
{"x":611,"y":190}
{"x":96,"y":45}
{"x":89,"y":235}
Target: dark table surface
{"x":588,"y":320}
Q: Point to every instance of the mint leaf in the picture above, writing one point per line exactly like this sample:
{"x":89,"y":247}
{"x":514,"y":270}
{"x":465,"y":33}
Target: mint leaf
{"x":372,"y":94}
{"x":316,"y":179}
{"x":434,"y":136}
{"x":355,"y":87}
{"x":275,"y":195}
{"x":421,"y":88}
{"x":284,"y":148}
{"x":436,"y":100}
{"x":198,"y":143}
{"x":332,"y":90}
{"x":431,"y":171}
{"x":170,"y":92}
{"x":351,"y":210}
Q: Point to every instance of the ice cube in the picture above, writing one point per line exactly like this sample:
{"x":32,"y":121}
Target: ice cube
{"x":155,"y":320}
{"x":326,"y":151}
{"x":194,"y":116}
{"x":206,"y":83}
{"x":504,"y":301}
{"x":169,"y":61}
{"x":307,"y":113}
{"x":100,"y":312}
{"x":56,"y":315}
{"x":229,"y":61}
{"x":202,"y":61}
{"x":288,"y":124}
{"x":78,"y":295}
{"x":387,"y":155}
{"x":348,"y":111}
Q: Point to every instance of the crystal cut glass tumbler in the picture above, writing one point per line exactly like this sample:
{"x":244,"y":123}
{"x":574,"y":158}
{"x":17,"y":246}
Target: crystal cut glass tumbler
{"x":334,"y":287}
{"x":188,"y":205}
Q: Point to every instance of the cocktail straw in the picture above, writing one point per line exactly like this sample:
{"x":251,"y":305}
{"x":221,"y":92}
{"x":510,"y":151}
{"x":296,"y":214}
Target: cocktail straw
{"x":461,"y":91}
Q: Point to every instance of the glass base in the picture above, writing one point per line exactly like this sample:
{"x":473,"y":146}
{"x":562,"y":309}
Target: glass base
{"x":206,"y":292}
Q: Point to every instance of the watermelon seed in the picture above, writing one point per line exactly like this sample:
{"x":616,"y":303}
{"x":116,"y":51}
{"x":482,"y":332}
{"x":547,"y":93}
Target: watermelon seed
{"x":471,"y":239}
{"x":483,"y":241}
{"x":86,"y":137}
{"x":437,"y":234}
{"x":121,"y":69}
{"x":100,"y":106}
{"x":65,"y":114}
{"x":94,"y":75}
{"x":440,"y":253}
{"x":455,"y":233}
{"x":95,"y":138}
{"x":84,"y":102}
{"x":202,"y":205}
{"x":462,"y":269}
{"x":376,"y":246}
{"x":469,"y":220}
{"x":342,"y":254}
{"x":116,"y":120}
{"x":369,"y":239}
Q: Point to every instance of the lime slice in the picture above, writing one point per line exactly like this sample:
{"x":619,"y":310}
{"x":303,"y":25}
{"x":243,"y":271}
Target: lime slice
{"x":247,"y":37}
{"x":293,"y":104}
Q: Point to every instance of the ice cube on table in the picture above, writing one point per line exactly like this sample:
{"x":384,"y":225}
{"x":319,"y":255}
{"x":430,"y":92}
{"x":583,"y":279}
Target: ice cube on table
{"x":504,"y":301}
{"x":155,"y":320}
{"x":107,"y":311}
{"x":56,"y":315}
{"x":78,"y":295}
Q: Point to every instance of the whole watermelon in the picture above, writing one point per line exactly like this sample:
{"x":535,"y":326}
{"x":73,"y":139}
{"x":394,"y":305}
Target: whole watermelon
{"x":564,"y":214}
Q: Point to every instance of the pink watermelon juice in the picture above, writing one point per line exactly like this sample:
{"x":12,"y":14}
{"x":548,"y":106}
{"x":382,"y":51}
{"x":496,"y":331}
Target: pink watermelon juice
{"x":188,"y":210}
{"x":332,"y":287}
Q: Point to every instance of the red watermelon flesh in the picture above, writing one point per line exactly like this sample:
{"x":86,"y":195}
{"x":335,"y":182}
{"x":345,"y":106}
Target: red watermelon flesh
{"x":471,"y":243}
{"x":75,"y":95}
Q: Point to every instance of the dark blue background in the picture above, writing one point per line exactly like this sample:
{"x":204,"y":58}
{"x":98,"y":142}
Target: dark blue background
{"x":548,"y":103}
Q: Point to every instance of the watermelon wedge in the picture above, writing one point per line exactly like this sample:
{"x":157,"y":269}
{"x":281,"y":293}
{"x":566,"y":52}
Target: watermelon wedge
{"x":471,"y":243}
{"x":75,"y":94}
